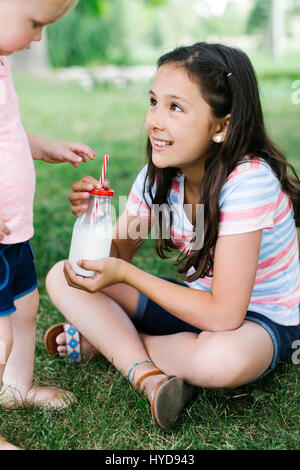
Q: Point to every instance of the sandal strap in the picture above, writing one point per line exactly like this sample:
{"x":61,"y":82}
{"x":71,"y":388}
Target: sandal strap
{"x":148,"y":374}
{"x":73,"y":343}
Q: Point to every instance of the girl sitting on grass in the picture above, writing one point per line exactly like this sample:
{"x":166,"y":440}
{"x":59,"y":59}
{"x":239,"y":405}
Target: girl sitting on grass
{"x":22,"y":22}
{"x":236,"y":315}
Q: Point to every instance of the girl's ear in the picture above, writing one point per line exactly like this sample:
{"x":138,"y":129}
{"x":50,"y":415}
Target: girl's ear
{"x":221,"y":130}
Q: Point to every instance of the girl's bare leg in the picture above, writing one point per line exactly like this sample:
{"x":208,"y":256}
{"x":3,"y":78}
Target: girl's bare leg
{"x":104,"y":322}
{"x":211,"y":359}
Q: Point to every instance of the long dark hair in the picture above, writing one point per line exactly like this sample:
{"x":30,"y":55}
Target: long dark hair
{"x":228,"y":83}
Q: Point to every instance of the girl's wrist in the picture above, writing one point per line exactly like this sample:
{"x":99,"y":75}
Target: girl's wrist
{"x":123,"y":268}
{"x":129,"y":273}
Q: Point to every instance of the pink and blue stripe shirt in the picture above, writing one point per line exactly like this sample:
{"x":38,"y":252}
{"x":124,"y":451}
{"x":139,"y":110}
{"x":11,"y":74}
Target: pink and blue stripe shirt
{"x":251,"y":199}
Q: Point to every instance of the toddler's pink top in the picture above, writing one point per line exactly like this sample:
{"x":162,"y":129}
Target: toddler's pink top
{"x":17,"y":176}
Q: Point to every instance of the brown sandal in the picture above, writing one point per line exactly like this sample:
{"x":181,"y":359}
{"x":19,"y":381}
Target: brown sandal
{"x":73,"y":340}
{"x":169,"y":398}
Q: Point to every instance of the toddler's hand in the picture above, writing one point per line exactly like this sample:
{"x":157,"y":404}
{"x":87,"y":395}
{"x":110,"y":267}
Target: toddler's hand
{"x":60,"y":151}
{"x":4,"y":230}
{"x":79,"y":195}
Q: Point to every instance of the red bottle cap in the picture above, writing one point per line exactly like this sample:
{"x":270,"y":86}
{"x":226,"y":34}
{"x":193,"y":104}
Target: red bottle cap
{"x":102,"y":192}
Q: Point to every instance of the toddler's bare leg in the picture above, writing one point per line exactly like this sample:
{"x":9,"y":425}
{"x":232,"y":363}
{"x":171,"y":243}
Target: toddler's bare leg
{"x":18,"y":375}
{"x":6,"y":340}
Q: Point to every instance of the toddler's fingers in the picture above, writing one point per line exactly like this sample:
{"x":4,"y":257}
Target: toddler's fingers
{"x":71,"y":157}
{"x":82,"y":149}
{"x":4,"y":229}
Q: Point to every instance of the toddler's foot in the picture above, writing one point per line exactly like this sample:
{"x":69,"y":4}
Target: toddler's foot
{"x":4,"y":445}
{"x":43,"y":397}
{"x":88,"y":351}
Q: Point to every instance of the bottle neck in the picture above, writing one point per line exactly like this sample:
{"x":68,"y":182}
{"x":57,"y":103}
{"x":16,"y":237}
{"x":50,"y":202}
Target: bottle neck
{"x":100,"y":205}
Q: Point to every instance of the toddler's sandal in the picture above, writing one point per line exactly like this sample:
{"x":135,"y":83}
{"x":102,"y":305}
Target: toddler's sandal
{"x":72,"y":341}
{"x":61,"y":400}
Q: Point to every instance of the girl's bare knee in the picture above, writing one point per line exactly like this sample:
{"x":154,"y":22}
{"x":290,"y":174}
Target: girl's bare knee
{"x":215,"y":365}
{"x":54,"y":278}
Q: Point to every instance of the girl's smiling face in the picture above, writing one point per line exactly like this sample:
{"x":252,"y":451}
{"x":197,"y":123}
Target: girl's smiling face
{"x":22,"y":21}
{"x":179,"y":122}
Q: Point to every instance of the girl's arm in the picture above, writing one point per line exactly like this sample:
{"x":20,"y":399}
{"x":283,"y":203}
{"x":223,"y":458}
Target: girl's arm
{"x":224,"y":308}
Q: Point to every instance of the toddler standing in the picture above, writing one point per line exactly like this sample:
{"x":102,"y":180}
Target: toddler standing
{"x":22,"y":22}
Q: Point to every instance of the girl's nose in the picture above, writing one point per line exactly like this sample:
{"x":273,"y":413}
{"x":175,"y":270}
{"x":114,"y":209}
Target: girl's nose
{"x":155,"y":120}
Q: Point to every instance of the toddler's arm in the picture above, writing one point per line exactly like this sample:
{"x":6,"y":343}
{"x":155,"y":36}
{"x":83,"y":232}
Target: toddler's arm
{"x":59,"y":151}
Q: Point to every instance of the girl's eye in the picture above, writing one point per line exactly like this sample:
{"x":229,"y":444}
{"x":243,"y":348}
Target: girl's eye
{"x":175,"y":107}
{"x":152,"y":102}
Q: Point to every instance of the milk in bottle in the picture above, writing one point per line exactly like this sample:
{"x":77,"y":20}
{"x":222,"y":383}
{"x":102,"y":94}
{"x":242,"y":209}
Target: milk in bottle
{"x":92,"y":232}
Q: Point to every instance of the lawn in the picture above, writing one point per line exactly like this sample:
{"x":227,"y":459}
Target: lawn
{"x":109,"y":414}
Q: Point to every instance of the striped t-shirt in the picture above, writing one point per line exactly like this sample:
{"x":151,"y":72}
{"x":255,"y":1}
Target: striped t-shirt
{"x":251,"y":199}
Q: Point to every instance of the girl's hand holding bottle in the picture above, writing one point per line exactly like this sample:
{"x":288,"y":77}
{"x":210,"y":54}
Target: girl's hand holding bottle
{"x":80,"y":195}
{"x":107,"y":271}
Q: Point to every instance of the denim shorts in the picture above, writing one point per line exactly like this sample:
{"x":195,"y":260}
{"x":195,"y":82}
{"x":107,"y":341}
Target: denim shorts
{"x":152,"y":319}
{"x":17,"y":275}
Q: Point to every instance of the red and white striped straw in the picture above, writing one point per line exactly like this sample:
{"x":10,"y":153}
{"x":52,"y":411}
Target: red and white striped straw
{"x":104,"y":167}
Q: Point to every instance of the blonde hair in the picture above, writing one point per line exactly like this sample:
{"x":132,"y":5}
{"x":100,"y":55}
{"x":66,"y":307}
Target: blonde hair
{"x":67,"y":5}
{"x":70,"y":3}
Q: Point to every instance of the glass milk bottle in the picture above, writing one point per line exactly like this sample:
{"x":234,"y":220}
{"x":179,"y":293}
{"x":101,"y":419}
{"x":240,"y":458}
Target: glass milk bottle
{"x":92,"y":232}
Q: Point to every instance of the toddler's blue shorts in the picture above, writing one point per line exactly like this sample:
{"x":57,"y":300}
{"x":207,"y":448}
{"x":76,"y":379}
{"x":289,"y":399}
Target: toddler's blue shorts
{"x":17,"y":275}
{"x":152,"y":319}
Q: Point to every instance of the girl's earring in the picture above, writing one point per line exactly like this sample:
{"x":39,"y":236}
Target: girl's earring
{"x":218,"y":138}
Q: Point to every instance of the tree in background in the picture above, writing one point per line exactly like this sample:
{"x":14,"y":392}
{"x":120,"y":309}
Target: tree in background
{"x":268,"y":18}
{"x":97,"y":31}
{"x":258,"y":19}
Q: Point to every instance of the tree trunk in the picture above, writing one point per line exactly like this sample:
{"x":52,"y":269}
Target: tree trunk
{"x":277,"y":28}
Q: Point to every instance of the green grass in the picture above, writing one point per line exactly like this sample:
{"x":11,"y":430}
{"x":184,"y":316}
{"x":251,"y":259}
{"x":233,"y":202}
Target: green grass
{"x":109,"y":414}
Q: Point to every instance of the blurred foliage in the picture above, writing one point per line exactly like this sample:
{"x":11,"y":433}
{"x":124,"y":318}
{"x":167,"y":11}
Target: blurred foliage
{"x":259,"y":16}
{"x":91,"y":7}
{"x":128,"y":32}
{"x":96,"y":31}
